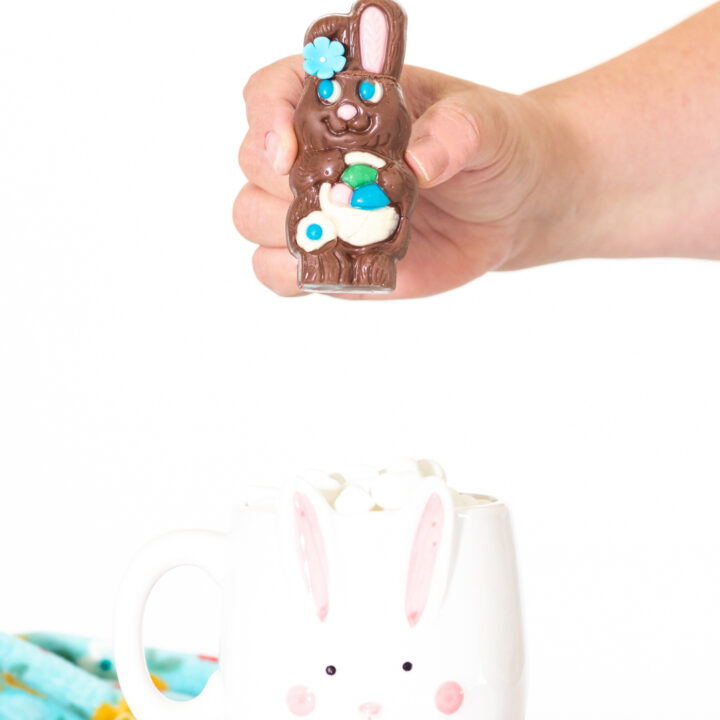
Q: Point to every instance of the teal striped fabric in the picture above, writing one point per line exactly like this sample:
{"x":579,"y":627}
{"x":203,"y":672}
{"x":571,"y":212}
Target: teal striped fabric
{"x":60,"y":677}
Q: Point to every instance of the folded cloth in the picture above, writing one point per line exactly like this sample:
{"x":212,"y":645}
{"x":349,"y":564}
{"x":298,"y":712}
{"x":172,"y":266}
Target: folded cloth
{"x":62,"y":677}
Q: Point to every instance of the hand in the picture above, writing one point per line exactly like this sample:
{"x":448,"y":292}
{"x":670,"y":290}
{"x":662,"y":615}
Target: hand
{"x":495,"y":172}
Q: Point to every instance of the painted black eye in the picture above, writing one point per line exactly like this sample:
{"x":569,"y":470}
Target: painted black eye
{"x":330,"y":669}
{"x":407,"y":666}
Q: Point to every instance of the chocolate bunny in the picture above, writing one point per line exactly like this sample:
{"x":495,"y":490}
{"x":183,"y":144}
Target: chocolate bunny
{"x":349,"y":223}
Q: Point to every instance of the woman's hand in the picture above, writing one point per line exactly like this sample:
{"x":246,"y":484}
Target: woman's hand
{"x":495,"y":176}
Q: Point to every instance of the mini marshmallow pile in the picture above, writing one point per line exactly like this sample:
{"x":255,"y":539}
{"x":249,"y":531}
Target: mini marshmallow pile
{"x":363,"y":489}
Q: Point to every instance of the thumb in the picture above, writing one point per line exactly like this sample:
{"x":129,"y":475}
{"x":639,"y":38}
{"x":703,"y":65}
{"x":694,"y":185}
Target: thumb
{"x":449,"y":136}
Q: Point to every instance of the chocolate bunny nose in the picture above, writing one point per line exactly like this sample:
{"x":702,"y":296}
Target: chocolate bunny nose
{"x":347,"y":111}
{"x":370,"y":709}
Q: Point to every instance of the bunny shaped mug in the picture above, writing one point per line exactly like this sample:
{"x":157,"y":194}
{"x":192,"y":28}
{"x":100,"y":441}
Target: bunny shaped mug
{"x":397,"y":614}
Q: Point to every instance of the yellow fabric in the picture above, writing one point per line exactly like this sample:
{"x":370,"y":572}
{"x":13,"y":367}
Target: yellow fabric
{"x":107,"y":712}
{"x":121,"y":711}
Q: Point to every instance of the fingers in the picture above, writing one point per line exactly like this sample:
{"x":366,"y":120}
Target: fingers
{"x":257,"y":168}
{"x":270,"y":146}
{"x":276,"y":268}
{"x":259,"y":216}
{"x":455,"y":133}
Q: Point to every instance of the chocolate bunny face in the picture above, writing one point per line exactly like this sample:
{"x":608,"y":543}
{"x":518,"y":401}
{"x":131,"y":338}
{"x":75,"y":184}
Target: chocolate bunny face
{"x":361,"y":105}
{"x":345,"y":119}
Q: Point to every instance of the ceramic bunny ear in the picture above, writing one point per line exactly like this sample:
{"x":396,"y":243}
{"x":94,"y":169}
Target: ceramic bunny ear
{"x":306,"y":551}
{"x":430,"y":554}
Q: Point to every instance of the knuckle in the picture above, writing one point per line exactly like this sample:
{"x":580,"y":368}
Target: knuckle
{"x":254,"y":82}
{"x":246,"y":158}
{"x":466,"y":126}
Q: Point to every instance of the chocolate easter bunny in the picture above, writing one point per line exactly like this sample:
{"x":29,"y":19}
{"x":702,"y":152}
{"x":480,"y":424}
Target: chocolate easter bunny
{"x":349,"y":223}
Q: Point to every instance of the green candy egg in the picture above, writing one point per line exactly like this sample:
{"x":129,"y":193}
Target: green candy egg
{"x":358,"y":175}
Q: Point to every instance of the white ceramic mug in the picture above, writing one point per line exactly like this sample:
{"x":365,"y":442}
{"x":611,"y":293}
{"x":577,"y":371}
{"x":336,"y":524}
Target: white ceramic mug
{"x":413,"y":613}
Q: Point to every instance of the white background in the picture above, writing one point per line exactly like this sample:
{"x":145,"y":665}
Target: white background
{"x":145,"y":376}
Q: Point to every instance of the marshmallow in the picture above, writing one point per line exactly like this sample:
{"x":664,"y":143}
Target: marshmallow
{"x":360,"y":476}
{"x":392,"y":491}
{"x":429,"y":468}
{"x":362,"y":488}
{"x":328,"y":485}
{"x":353,"y":499}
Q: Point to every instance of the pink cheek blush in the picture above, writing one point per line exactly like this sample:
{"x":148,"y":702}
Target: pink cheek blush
{"x":340,"y":194}
{"x":300,"y":700}
{"x":449,"y":698}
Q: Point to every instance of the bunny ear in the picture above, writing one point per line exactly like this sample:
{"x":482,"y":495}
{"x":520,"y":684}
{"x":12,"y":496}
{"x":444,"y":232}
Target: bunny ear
{"x":311,"y":553}
{"x":304,"y":544}
{"x":374,"y":37}
{"x":429,"y":564}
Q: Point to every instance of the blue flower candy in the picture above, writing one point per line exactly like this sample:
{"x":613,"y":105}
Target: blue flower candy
{"x":323,"y":58}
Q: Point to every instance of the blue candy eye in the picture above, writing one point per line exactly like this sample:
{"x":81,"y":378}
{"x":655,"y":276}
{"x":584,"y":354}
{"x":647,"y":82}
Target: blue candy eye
{"x":329,"y":90}
{"x":370,"y":91}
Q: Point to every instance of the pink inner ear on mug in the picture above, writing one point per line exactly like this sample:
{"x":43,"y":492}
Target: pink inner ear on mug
{"x":373,"y":39}
{"x":311,"y":553}
{"x":423,"y":558}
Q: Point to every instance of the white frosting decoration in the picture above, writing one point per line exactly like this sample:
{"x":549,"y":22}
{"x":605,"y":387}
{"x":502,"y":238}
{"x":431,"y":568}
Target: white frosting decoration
{"x":354,"y":225}
{"x":316,"y":217}
{"x":353,"y":499}
{"x":364,"y":158}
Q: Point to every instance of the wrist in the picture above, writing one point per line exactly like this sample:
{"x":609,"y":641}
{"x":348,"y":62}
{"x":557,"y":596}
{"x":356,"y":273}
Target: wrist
{"x":554,"y":225}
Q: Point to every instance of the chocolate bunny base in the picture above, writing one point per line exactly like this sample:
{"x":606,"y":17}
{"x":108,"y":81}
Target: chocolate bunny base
{"x":349,"y":222}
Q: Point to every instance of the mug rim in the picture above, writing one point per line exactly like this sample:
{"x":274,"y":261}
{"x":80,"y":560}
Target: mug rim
{"x":488,"y":501}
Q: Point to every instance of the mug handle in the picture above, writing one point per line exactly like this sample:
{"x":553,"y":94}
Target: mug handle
{"x":198,"y":548}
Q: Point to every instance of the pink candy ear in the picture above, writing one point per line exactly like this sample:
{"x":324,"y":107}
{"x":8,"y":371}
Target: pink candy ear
{"x":423,"y":559}
{"x":311,"y":553}
{"x":373,"y":39}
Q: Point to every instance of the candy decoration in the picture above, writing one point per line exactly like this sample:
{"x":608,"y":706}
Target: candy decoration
{"x":329,"y":90}
{"x":323,"y":58}
{"x":369,"y":197}
{"x":358,"y":175}
{"x":340,"y":194}
{"x":373,"y":39}
{"x":370,"y":91}
{"x":315,"y":230}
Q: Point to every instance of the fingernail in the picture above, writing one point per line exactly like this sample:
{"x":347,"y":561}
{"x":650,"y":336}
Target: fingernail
{"x":272,"y":146}
{"x":428,"y":157}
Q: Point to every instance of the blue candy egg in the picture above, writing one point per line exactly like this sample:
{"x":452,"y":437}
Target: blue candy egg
{"x":369,"y":197}
{"x":314,"y":231}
